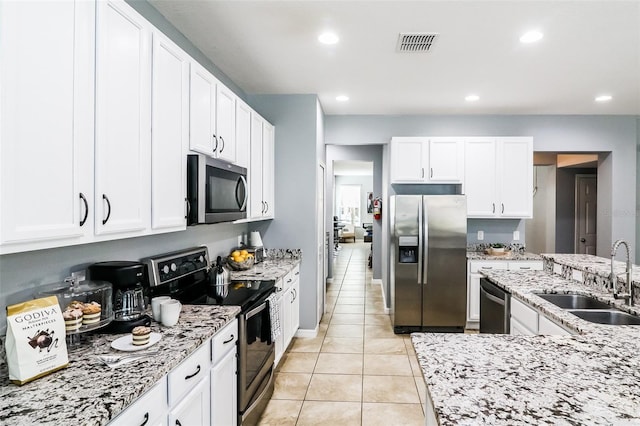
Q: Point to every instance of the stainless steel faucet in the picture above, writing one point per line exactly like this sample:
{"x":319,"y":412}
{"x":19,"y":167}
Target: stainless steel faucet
{"x":614,"y":278}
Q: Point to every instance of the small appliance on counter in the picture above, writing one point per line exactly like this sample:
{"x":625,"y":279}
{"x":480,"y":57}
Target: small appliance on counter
{"x":128,"y":293}
{"x":256,"y":248}
{"x":86,"y":305}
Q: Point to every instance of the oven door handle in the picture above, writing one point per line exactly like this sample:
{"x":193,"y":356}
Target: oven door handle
{"x":257,"y":310}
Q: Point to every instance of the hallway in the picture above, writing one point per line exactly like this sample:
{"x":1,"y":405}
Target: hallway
{"x":356,"y":371}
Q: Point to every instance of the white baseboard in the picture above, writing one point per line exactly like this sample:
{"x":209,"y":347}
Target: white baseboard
{"x":305,"y":332}
{"x":378,"y":281}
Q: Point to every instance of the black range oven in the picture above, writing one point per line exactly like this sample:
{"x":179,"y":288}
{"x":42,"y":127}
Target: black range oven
{"x":187,"y":277}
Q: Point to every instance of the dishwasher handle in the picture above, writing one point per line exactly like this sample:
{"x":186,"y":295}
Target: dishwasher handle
{"x":491,"y":297}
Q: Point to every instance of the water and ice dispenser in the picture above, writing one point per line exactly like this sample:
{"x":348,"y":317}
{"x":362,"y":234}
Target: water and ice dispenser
{"x":408,"y":249}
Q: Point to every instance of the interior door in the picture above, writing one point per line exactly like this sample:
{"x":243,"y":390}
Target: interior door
{"x":586,"y":212}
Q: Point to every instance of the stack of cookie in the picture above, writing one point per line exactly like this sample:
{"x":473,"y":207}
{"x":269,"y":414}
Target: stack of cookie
{"x":79,"y":313}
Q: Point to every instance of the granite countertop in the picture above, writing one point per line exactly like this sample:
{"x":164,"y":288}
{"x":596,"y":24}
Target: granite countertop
{"x":511,"y":255}
{"x":88,"y":392}
{"x":269,"y":269}
{"x":592,"y":377}
{"x":594,"y":264}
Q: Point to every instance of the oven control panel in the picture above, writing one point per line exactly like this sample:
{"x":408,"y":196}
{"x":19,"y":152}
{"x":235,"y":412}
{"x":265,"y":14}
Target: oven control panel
{"x":175,"y":265}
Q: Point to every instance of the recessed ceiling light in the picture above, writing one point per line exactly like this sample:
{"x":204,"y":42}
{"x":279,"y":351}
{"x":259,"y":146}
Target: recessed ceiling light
{"x":328,"y":38}
{"x":472,"y":98}
{"x":531,"y":37}
{"x":342,"y":98}
{"x":604,"y":98}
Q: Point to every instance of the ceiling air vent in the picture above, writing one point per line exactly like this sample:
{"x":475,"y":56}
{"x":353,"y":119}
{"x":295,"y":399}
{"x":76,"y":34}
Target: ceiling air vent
{"x":415,"y":42}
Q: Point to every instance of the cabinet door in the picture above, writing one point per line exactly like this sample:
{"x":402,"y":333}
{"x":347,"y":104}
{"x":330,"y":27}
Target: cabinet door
{"x":480,"y":177}
{"x":123,"y":119}
{"x":408,"y":157}
{"x":473,"y":299}
{"x":243,"y":133}
{"x":226,"y":123}
{"x":287,"y":320}
{"x":194,"y":408}
{"x":279,"y":343}
{"x":519,"y":329}
{"x":515,"y":177}
{"x":170,"y":138}
{"x":150,"y":409}
{"x":224,"y":400}
{"x":268,"y":170}
{"x":550,"y":328}
{"x":295,"y":306}
{"x":46,"y":107}
{"x":256,"y":204}
{"x":446,"y":160}
{"x":202,"y":92}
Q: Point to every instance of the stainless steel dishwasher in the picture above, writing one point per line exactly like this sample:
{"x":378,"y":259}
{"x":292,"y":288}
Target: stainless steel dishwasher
{"x":495,"y":307}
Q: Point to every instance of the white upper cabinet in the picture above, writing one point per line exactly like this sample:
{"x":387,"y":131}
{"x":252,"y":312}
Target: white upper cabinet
{"x":170,"y":137}
{"x":123,"y":120}
{"x":225,"y":124}
{"x":480,"y":173}
{"x":499,"y":177}
{"x":203,"y":137}
{"x":261,"y":169}
{"x":446,"y":160}
{"x":46,"y":130}
{"x":515,"y":177}
{"x":243,"y":133}
{"x":427,"y":160}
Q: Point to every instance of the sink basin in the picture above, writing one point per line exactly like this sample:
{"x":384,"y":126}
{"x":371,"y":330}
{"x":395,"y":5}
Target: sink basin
{"x":607,"y":317}
{"x":574,"y":301}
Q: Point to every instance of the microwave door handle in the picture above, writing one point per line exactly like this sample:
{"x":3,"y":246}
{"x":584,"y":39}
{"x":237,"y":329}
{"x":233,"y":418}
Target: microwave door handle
{"x":243,"y":204}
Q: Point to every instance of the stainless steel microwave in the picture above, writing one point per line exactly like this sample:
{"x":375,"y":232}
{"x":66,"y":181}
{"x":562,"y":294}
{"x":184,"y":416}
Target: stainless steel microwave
{"x":216,"y":190}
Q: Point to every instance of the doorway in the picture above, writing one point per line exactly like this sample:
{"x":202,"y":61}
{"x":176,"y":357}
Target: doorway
{"x":353,"y":188}
{"x":563,"y":213}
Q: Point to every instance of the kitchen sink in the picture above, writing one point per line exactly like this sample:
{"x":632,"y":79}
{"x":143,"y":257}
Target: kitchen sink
{"x":574,"y":301}
{"x":610,"y":317}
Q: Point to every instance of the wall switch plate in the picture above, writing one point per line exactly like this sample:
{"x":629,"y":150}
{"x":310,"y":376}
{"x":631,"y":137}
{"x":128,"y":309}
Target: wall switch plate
{"x":480,"y":235}
{"x":516,"y":235}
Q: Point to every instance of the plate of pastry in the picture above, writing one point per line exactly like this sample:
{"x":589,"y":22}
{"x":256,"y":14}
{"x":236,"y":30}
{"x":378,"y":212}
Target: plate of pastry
{"x":139,"y":338}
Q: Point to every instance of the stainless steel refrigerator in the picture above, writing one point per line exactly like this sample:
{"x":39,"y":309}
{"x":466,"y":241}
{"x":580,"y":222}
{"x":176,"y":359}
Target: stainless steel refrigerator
{"x":428,"y":262}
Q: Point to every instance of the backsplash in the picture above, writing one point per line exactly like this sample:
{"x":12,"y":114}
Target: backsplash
{"x":283,"y":253}
{"x":591,"y":271}
{"x":516,"y":248}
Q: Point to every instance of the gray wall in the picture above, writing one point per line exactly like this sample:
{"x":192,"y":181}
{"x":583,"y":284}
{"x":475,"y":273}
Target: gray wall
{"x":615,"y":134}
{"x":295,"y":225}
{"x":371,"y":153}
{"x":22,"y":273}
{"x":541,"y":230}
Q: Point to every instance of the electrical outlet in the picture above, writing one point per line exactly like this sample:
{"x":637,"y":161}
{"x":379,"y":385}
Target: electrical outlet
{"x":239,"y":240}
{"x":480,"y":235}
{"x":516,"y":235}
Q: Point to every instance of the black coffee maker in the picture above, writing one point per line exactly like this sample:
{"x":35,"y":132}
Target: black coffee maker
{"x":128,"y":293}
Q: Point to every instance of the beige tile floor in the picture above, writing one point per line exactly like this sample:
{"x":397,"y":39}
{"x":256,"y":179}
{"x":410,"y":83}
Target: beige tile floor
{"x":356,"y":371}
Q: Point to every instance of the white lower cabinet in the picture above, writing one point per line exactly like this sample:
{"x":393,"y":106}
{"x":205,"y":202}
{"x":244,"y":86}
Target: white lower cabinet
{"x":224,"y":383}
{"x":193,"y":409}
{"x":289,"y":303}
{"x":150,"y":409}
{"x":474,"y":274}
{"x":527,"y":321}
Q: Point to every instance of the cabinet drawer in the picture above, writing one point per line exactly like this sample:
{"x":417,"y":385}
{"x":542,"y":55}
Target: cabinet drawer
{"x":524,"y":315}
{"x":150,"y":408}
{"x":186,"y":375}
{"x":535,"y":265}
{"x":487,"y":266}
{"x":224,"y":341}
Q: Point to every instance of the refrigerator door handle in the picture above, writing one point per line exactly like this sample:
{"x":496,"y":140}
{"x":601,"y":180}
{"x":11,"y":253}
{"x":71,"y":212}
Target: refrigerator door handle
{"x":420,"y":242}
{"x":424,"y":243}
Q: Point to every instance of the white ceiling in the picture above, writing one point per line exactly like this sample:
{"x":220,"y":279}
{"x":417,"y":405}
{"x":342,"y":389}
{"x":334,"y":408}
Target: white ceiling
{"x":589,"y":48}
